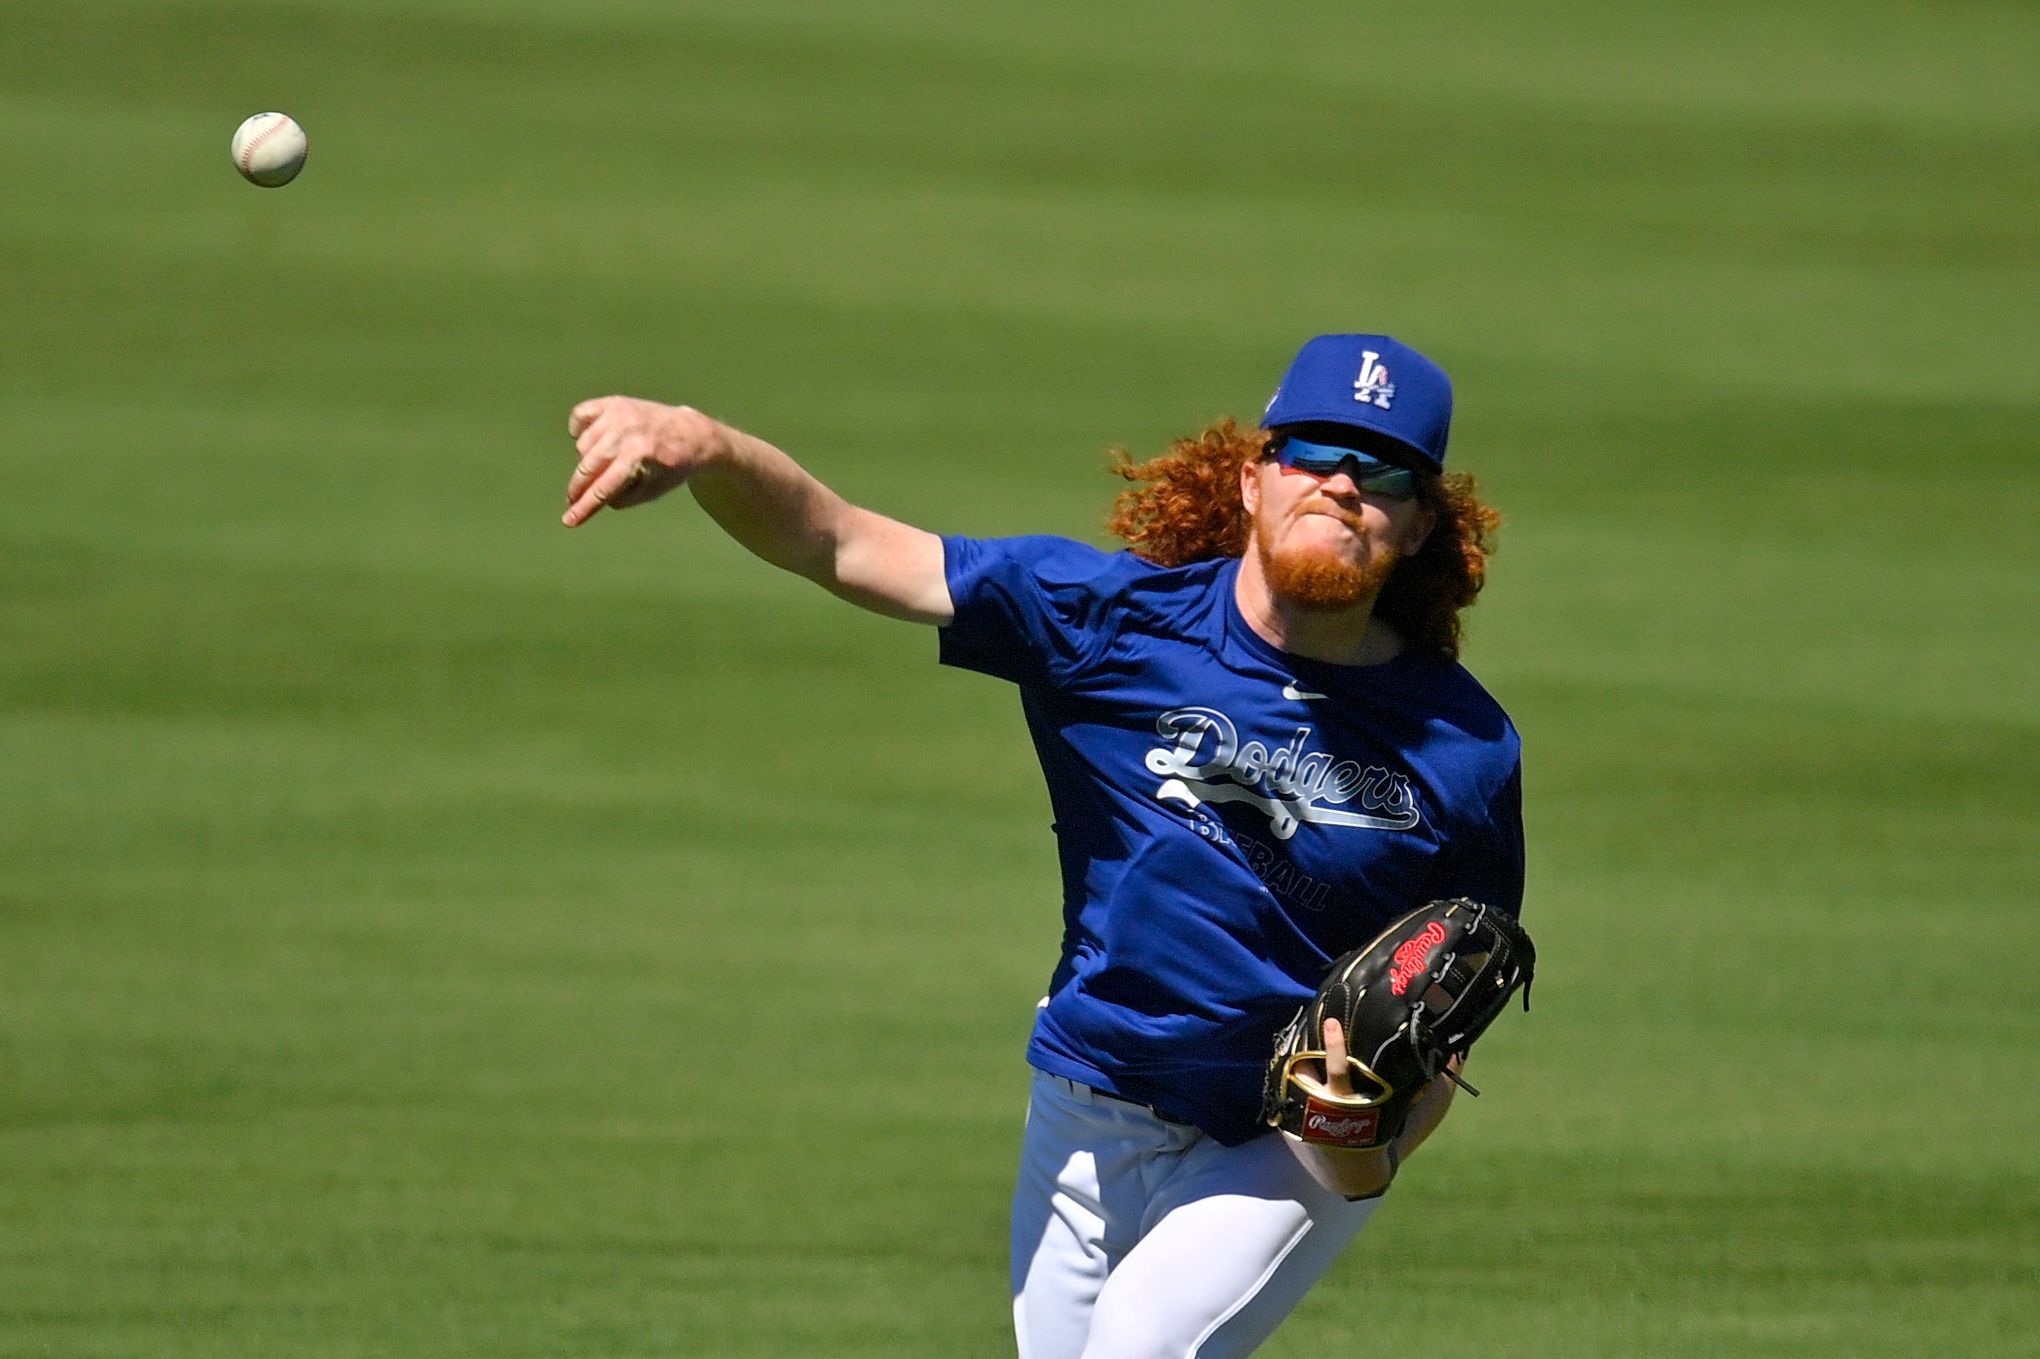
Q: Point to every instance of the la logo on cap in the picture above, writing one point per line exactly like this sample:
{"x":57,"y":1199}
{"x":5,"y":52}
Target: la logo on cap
{"x":1372,"y":386}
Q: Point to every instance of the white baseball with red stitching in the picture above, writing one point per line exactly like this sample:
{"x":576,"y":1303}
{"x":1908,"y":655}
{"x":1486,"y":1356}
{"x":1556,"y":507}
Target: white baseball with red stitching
{"x":269,"y":149}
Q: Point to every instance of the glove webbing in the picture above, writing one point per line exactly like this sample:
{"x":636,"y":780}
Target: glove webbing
{"x":1457,"y":977}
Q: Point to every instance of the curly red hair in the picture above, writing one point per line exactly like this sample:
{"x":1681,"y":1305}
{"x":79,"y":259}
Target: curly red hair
{"x":1184,"y":506}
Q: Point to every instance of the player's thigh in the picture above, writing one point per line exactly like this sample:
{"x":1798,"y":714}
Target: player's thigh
{"x":1238,"y":1240}
{"x":1077,"y":1210}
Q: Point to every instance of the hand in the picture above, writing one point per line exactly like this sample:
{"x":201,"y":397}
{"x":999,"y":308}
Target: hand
{"x":1358,"y":1173}
{"x":1339,"y":1080}
{"x":633,"y":452}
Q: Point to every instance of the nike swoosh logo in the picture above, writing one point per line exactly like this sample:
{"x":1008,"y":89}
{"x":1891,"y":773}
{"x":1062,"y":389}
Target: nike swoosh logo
{"x":1290,"y":691}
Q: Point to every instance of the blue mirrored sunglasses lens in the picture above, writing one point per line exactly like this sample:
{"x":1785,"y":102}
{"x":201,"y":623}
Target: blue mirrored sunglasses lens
{"x":1369,"y":474}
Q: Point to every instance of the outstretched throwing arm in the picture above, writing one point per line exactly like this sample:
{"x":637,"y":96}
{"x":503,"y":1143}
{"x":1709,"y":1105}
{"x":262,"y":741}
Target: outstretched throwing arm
{"x":633,"y":451}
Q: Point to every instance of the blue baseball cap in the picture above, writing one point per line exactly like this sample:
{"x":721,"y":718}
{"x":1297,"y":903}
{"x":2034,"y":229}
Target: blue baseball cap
{"x":1371,"y":383}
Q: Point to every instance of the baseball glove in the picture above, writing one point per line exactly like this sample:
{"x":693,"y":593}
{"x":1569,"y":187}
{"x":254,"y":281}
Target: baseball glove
{"x":1408,"y":1003}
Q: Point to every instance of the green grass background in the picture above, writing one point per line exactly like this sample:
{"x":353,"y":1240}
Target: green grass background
{"x":425,"y":931}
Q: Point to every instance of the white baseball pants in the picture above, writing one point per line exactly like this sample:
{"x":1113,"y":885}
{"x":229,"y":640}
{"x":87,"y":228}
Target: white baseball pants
{"x":1136,"y":1238}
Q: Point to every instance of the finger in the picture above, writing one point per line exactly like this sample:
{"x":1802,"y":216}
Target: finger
{"x":584,"y":476}
{"x":598,"y":453}
{"x":597,"y":432}
{"x":599,"y":493}
{"x":584,"y":415}
{"x":1338,"y":1078}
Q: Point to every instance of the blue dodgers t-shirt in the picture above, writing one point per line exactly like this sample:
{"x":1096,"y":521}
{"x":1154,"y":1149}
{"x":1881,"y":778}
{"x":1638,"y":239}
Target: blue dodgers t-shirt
{"x":1230,"y":817}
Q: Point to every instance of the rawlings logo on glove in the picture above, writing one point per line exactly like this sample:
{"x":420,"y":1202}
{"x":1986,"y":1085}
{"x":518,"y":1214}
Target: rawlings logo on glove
{"x":1411,"y":957}
{"x":1340,"y":1127}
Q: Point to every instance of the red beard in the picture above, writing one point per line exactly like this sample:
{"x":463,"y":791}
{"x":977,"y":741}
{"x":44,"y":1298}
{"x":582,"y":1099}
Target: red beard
{"x":1318,"y":579}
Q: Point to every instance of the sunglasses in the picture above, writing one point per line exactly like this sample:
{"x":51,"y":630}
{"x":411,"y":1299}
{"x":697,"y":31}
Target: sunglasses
{"x":1371,"y":475}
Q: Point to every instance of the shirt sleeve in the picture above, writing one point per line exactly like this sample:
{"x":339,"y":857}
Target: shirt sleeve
{"x":1484,"y":860}
{"x":1030,"y":610}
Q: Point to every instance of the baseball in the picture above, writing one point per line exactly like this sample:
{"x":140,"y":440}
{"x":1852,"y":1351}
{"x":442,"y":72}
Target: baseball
{"x":269,"y":149}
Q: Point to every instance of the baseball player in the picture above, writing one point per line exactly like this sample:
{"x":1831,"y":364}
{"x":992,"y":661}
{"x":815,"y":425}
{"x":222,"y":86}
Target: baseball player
{"x":1260,"y":749}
